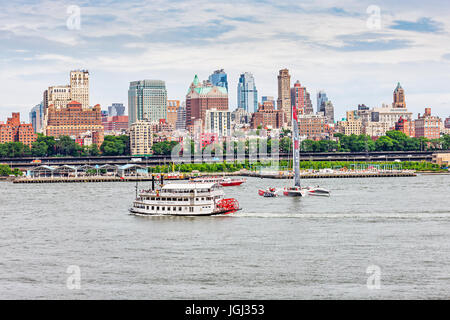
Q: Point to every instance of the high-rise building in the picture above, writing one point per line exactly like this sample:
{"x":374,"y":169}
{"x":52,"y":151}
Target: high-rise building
{"x":37,"y":117}
{"x":74,"y":120}
{"x":240,"y":116}
{"x":201,"y":97}
{"x":172,"y":112}
{"x":181,"y":117}
{"x":79,"y":87}
{"x":58,"y":96}
{"x":247,"y":95}
{"x":141,"y":138}
{"x":218,"y":122}
{"x":447,"y":123}
{"x":313,"y":126}
{"x":321,"y":100}
{"x":351,"y":125}
{"x":116,"y":109}
{"x":268,"y":98}
{"x":301,"y":99}
{"x":115,"y":124}
{"x":428,"y":126}
{"x":389,"y":114}
{"x":219,"y":79}
{"x":147,"y":100}
{"x":329,"y":112}
{"x":284,"y":94}
{"x":15,"y":131}
{"x":267,"y":117}
{"x":399,"y":97}
{"x":375,"y":129}
{"x":78,"y":90}
{"x":406,"y":126}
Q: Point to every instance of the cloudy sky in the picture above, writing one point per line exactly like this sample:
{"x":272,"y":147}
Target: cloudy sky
{"x":337,"y":46}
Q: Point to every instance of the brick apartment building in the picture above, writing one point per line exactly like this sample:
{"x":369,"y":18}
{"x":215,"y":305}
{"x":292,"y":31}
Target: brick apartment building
{"x":14,"y":131}
{"x":428,"y":126}
{"x":267,"y":116}
{"x":74,"y":121}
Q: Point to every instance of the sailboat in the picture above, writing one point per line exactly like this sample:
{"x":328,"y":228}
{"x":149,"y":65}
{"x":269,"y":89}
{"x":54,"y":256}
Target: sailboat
{"x":296,"y":190}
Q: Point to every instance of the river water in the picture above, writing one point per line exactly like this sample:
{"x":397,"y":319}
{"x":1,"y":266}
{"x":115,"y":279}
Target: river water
{"x":283,"y":248}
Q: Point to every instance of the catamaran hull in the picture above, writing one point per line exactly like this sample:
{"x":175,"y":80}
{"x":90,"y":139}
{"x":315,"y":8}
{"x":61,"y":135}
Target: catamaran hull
{"x":319,"y":192}
{"x":294,"y":193}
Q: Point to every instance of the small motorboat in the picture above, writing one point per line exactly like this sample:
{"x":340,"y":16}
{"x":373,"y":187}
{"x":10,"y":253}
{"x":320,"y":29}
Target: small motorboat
{"x":268,"y":193}
{"x":228,"y":182}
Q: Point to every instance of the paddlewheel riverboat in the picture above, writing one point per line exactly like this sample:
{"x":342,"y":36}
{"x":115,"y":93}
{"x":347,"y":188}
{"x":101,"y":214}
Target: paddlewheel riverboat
{"x":184,"y":199}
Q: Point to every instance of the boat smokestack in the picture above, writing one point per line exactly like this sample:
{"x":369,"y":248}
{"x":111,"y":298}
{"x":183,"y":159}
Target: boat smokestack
{"x":153,"y":182}
{"x":162,"y":179}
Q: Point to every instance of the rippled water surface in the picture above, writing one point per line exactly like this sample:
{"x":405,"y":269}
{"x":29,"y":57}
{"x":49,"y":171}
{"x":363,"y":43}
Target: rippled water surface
{"x":283,"y":248}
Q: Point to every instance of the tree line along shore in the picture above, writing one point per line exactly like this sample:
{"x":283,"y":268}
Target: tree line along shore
{"x":47,"y":146}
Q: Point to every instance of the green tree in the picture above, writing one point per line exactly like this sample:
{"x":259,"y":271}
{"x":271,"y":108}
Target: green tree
{"x":384,"y":144}
{"x":66,"y":146}
{"x":5,"y":170}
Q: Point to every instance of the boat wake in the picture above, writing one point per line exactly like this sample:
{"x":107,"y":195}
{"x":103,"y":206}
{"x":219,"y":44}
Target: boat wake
{"x":343,"y":215}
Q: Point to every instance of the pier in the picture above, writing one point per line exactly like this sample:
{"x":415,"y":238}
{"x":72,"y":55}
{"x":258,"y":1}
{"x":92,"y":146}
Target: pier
{"x":334,"y":175}
{"x":278,"y":175}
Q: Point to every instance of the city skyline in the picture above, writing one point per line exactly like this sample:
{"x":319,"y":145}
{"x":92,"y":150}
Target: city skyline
{"x":352,"y":62}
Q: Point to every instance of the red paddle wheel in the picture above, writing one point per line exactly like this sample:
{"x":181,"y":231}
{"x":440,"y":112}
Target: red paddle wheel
{"x":228,"y":205}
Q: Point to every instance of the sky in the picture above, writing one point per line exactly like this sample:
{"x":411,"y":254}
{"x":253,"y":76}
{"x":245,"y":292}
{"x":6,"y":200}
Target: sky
{"x":342,"y":47}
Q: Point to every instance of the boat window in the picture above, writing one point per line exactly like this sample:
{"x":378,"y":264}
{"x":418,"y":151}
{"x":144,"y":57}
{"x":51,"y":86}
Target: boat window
{"x":168,"y":208}
{"x":153,"y":207}
{"x":163,"y":208}
{"x":157,"y":208}
{"x":179,"y":208}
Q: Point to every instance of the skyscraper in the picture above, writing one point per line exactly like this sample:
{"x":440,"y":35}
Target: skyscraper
{"x":399,"y":97}
{"x":201,"y":97}
{"x":301,"y":99}
{"x":329,"y":112}
{"x":267,"y":99}
{"x":219,"y":79}
{"x":147,"y":100}
{"x":247,"y":95}
{"x":172,"y":112}
{"x":79,"y":87}
{"x":37,"y":117}
{"x":284,"y":94}
{"x":218,"y":122}
{"x":181,"y":117}
{"x":116,"y":109}
{"x":321,"y":100}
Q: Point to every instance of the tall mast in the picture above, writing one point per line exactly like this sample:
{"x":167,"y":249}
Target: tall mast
{"x":295,"y":146}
